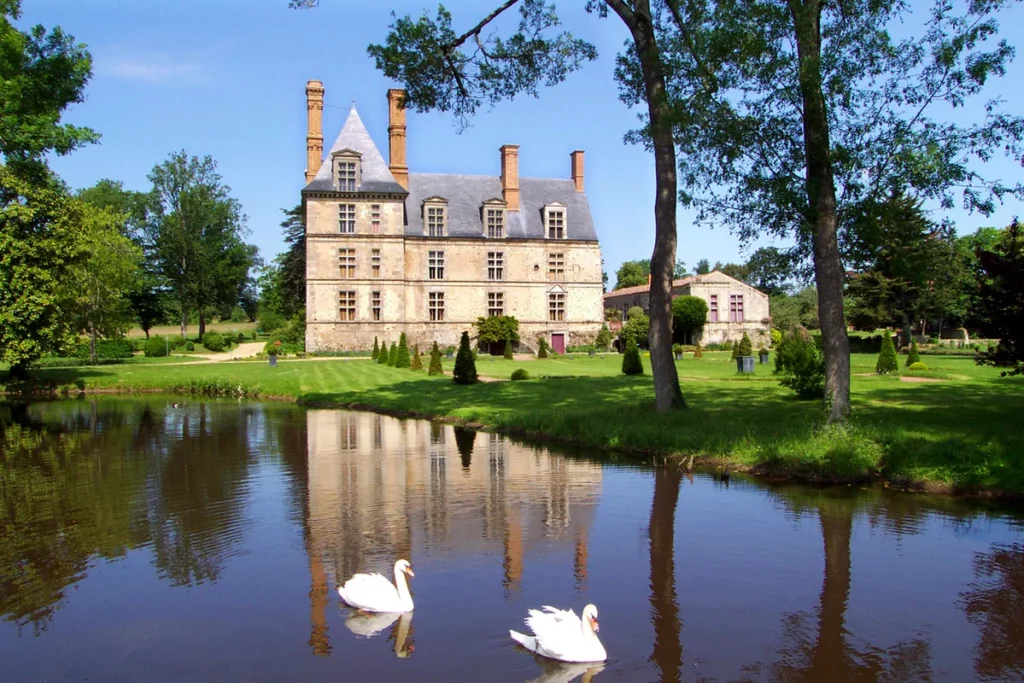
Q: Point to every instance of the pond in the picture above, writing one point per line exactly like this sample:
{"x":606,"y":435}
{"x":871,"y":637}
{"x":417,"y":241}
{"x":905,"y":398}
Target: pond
{"x":146,"y":541}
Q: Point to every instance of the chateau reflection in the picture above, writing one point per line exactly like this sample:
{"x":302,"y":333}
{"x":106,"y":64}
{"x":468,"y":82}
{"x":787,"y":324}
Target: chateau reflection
{"x":377,"y":486}
{"x":994,"y":602}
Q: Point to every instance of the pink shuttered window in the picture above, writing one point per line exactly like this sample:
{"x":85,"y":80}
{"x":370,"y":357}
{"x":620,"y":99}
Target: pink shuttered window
{"x":713,"y":309}
{"x":736,"y":308}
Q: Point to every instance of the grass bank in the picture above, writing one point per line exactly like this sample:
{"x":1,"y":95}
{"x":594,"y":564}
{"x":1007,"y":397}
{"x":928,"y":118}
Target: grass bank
{"x":960,"y":431}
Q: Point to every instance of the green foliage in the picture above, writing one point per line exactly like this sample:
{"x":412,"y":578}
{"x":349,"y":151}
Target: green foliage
{"x":542,"y":348}
{"x":392,"y":355}
{"x":107,"y":349}
{"x":382,"y":357}
{"x":776,"y":336}
{"x":435,"y":361}
{"x":612,"y":315}
{"x":255,"y":335}
{"x":1002,"y":300}
{"x":496,"y":329}
{"x":745,"y":348}
{"x":519,"y":375}
{"x":887,"y":357}
{"x":689,"y":313}
{"x":698,"y":351}
{"x":508,"y":350}
{"x":917,"y":366}
{"x":156,"y":347}
{"x":735,"y":349}
{"x":637,"y":326}
{"x":190,"y":346}
{"x":376,"y":349}
{"x":677,"y":349}
{"x":213,"y":342}
{"x":913,"y":356}
{"x":465,"y":366}
{"x":417,"y":362}
{"x":634,"y":313}
{"x":631,"y":364}
{"x":402,"y":357}
{"x":770,"y":269}
{"x":800,"y":364}
{"x":604,"y":339}
{"x":790,"y":311}
{"x":632,"y":274}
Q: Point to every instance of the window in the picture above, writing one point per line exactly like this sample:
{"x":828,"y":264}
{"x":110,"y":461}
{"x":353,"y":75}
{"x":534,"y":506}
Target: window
{"x":495,"y":304}
{"x":375,"y":262}
{"x":736,"y":308}
{"x":347,"y":263}
{"x":556,"y":267}
{"x":375,"y":306}
{"x":346,"y":306}
{"x":495,"y":265}
{"x":346,"y":176}
{"x":495,"y":223}
{"x":435,"y":306}
{"x":435,"y":265}
{"x":347,"y":219}
{"x":375,"y":218}
{"x":713,"y":309}
{"x":556,"y":307}
{"x":435,"y":221}
{"x":556,"y":224}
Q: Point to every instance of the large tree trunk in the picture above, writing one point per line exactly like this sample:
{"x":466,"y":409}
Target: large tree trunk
{"x":668,"y":645}
{"x":829,"y":660}
{"x":667,"y":393}
{"x":821,"y":199}
{"x":202,"y":324}
{"x":184,"y":322}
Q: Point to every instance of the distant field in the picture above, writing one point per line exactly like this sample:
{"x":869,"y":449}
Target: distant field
{"x":245,"y":328}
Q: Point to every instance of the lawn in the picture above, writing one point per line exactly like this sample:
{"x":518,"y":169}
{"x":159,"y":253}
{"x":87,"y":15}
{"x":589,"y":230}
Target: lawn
{"x":959,"y":432}
{"x":193,"y":329}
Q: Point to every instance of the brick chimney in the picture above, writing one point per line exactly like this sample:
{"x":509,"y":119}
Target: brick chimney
{"x":577,"y":169}
{"x":510,"y":176}
{"x":396,"y":137}
{"x":314,"y":128}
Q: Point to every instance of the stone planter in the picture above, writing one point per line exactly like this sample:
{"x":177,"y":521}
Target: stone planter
{"x":764,"y":358}
{"x":593,"y":352}
{"x":679,"y":356}
{"x":449,"y":354}
{"x":745,"y":365}
{"x":272,"y":360}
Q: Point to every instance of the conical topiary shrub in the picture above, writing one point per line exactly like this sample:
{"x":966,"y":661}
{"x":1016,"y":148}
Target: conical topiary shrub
{"x":376,"y":350}
{"x":435,"y":361}
{"x":402,"y":359}
{"x":887,"y":358}
{"x":631,"y":364}
{"x":382,"y":355}
{"x":393,"y":355}
{"x":465,"y":366}
{"x":698,"y":351}
{"x":542,"y":348}
{"x":735,"y":350}
{"x":745,"y":347}
{"x":508,"y":349}
{"x":913,"y":356}
{"x":417,"y":362}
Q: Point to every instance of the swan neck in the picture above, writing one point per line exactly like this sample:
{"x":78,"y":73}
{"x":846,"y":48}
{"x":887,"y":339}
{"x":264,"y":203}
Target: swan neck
{"x":403,"y":587}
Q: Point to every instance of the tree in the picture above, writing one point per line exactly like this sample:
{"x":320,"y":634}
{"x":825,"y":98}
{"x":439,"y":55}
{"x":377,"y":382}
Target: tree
{"x":604,"y":339}
{"x":799,"y":364}
{"x":382,"y":357}
{"x":393,"y":355}
{"x":632,"y":274}
{"x":40,"y":245}
{"x":913,"y":356}
{"x":745,"y":348}
{"x":542,"y":348}
{"x":631,"y":363}
{"x":1002,"y":300}
{"x":703,"y":267}
{"x":508,"y":350}
{"x":195,"y":235}
{"x":417,"y":362}
{"x":886,"y":363}
{"x":465,"y":366}
{"x":773,"y":114}
{"x":497,"y":329}
{"x":292,"y":274}
{"x":770,"y":269}
{"x":790,"y":311}
{"x":402,"y":358}
{"x":445,"y":71}
{"x":376,"y":349}
{"x":637,"y":326}
{"x":689,"y":313}
{"x":435,"y":361}
{"x":734,"y":270}
{"x":100,"y":283}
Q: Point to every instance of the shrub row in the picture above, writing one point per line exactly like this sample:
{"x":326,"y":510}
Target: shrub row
{"x":107,"y":348}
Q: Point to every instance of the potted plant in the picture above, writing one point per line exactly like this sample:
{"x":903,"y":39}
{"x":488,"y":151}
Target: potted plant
{"x":272,"y":355}
{"x":449,"y":352}
{"x":677,"y":349}
{"x":745,"y":356}
{"x":763,"y":354}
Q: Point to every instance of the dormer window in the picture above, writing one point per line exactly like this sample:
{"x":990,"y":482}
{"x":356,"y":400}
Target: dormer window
{"x":346,"y":170}
{"x":435,"y":216}
{"x":493,"y":214}
{"x":554,"y":221}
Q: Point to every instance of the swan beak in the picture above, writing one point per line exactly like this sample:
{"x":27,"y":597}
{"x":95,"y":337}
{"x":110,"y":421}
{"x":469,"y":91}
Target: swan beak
{"x":596,"y":626}
{"x":408,"y":570}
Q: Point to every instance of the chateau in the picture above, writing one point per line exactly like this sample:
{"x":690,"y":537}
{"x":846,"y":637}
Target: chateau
{"x":389,"y":251}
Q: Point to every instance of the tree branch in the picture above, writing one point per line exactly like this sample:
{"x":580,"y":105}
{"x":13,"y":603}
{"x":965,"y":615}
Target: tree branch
{"x":623,"y":10}
{"x":475,"y":31}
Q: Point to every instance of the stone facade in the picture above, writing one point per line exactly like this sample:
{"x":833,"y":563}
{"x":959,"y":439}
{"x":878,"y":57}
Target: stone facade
{"x":389,"y":251}
{"x":740,"y":307}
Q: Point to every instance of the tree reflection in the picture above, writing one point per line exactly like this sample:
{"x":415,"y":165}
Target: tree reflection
{"x":994,"y":602}
{"x":668,"y":647}
{"x":464,"y":439}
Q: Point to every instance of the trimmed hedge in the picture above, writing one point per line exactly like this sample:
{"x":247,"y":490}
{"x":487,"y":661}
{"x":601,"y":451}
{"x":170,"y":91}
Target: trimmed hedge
{"x":107,"y":348}
{"x":887,"y":357}
{"x":631,"y":364}
{"x":214,"y":342}
{"x":156,"y":347}
{"x":465,"y":365}
{"x":917,"y":366}
{"x":519,"y":375}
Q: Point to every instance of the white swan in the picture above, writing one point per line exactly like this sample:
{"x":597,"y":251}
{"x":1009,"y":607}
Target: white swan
{"x":374,"y":593}
{"x":560,"y":634}
{"x":567,"y":672}
{"x":368,"y":625}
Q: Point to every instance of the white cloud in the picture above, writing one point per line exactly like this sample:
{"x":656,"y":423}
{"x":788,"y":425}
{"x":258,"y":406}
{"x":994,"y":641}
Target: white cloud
{"x":153,"y":68}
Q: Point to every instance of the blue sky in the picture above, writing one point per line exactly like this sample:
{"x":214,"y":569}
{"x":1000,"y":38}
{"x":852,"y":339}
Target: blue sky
{"x":227,"y":79}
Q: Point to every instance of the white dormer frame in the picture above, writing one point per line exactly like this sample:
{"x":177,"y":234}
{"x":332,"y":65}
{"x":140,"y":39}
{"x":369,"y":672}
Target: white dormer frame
{"x":494,"y":204}
{"x":430,"y":205}
{"x":346,"y":156}
{"x":551,"y":210}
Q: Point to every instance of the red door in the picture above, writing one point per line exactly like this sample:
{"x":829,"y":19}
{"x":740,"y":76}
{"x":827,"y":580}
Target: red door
{"x":558,"y":343}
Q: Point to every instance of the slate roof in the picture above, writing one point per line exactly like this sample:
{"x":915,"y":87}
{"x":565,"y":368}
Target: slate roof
{"x":374,"y":173}
{"x":640,"y":289}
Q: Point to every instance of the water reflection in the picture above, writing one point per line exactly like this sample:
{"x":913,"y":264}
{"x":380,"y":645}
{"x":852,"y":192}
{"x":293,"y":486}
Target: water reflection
{"x":368,"y":625}
{"x":994,"y":602}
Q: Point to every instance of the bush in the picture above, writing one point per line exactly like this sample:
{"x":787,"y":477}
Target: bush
{"x":177,"y":342}
{"x":238,"y":315}
{"x":240,"y":337}
{"x":508,"y":350}
{"x":497,"y":328}
{"x":745,"y":347}
{"x":156,"y":347}
{"x":637,"y":327}
{"x":689,"y":313}
{"x":107,"y":349}
{"x":604,"y":339}
{"x":190,"y":346}
{"x":417,"y":362}
{"x":698,"y":351}
{"x":580,"y":348}
{"x":376,"y":350}
{"x":735,"y":350}
{"x":269,"y":322}
{"x":393,"y":355}
{"x":542,"y":348}
{"x":382,"y":356}
{"x":255,"y":335}
{"x":776,"y":336}
{"x":435,"y":361}
{"x":295,"y":332}
{"x":402,"y":358}
{"x":887,"y":357}
{"x":631,"y":364}
{"x":913,"y":356}
{"x":800,"y":364}
{"x":465,"y":366}
{"x":520,"y":374}
{"x":213,"y":342}
{"x":677,"y":349}
{"x":919,"y":365}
